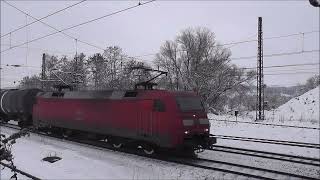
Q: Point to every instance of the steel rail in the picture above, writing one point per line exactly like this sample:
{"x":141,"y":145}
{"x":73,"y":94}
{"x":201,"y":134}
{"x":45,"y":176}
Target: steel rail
{"x":268,"y":155}
{"x":258,"y":169}
{"x":269,"y":141}
{"x":266,"y":124}
{"x":267,"y":152}
{"x":195,"y":164}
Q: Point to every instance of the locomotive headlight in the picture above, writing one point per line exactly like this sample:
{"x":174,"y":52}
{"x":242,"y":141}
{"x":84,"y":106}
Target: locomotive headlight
{"x":206,"y":130}
{"x":186,"y":132}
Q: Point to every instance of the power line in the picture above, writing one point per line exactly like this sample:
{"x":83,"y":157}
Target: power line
{"x":56,"y":12}
{"x":291,"y":70}
{"x":240,"y":42}
{"x":46,"y":50}
{"x":231,"y":43}
{"x":286,"y":65}
{"x":277,"y":54}
{"x":294,"y":73}
{"x":81,"y":24}
{"x":19,"y":65}
{"x":278,"y":66}
{"x":52,"y":27}
{"x":246,"y":38}
{"x":295,"y":34}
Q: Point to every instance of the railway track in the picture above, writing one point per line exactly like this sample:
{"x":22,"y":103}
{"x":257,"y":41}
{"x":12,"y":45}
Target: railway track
{"x":269,"y":155}
{"x":221,"y":166}
{"x":256,"y":171}
{"x":265,"y":124}
{"x":269,"y":141}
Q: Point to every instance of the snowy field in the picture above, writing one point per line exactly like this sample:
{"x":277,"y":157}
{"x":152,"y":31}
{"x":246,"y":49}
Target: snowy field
{"x":301,"y":111}
{"x":6,"y":173}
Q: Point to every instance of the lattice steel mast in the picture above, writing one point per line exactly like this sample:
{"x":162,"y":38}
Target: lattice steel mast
{"x":260,"y":83}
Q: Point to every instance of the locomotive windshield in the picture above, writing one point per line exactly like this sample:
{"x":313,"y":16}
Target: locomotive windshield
{"x":189,"y":103}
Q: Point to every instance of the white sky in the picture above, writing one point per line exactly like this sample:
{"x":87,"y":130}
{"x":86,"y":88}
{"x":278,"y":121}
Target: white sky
{"x":144,"y":29}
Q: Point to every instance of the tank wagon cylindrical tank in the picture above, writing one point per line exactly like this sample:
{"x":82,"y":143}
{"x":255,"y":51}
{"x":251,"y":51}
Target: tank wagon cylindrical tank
{"x":17,"y":105}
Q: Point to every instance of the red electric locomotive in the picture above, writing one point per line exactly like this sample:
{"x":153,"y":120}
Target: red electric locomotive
{"x":149,"y":118}
{"x":146,"y":118}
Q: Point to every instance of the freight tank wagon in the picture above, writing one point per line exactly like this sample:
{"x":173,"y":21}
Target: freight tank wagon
{"x":17,"y":105}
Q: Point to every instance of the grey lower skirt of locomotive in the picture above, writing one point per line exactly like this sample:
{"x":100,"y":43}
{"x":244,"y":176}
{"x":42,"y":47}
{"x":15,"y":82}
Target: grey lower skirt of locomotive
{"x":17,"y":105}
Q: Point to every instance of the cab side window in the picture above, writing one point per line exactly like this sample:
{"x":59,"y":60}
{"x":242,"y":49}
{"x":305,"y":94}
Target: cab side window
{"x":159,"y":106}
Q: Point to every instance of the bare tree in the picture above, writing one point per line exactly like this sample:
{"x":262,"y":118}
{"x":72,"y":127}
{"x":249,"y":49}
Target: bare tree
{"x":196,"y":61}
{"x":97,"y":68}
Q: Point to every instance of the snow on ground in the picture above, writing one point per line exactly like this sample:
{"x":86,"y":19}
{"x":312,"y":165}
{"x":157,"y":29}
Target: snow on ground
{"x":6,"y":173}
{"x":80,"y":162}
{"x":300,"y":111}
{"x":304,"y":108}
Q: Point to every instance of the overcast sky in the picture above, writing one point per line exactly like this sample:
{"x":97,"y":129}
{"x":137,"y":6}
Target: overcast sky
{"x":144,"y":29}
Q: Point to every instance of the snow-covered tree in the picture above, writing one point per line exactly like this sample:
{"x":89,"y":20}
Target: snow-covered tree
{"x":196,"y":61}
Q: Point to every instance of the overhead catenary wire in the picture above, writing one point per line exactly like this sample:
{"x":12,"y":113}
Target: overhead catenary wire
{"x":295,"y":73}
{"x":42,"y":49}
{"x":277,"y":54}
{"x":267,"y":55}
{"x":246,"y":38}
{"x":241,"y":42}
{"x":232,"y":43}
{"x":291,"y":70}
{"x":289,"y":35}
{"x":285,"y":65}
{"x":81,"y":24}
{"x":52,"y":27}
{"x":277,"y":66}
{"x":19,"y":65}
{"x":51,"y":14}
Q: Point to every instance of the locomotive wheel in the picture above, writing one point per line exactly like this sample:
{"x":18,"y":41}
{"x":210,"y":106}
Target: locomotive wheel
{"x":117,"y":145}
{"x":21,"y":124}
{"x":66,"y":133}
{"x":148,"y":150}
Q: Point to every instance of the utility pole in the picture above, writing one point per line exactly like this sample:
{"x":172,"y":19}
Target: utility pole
{"x":43,"y":73}
{"x":260,"y":83}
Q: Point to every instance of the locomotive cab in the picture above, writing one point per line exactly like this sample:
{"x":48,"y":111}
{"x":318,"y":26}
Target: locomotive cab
{"x":195,"y":124}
